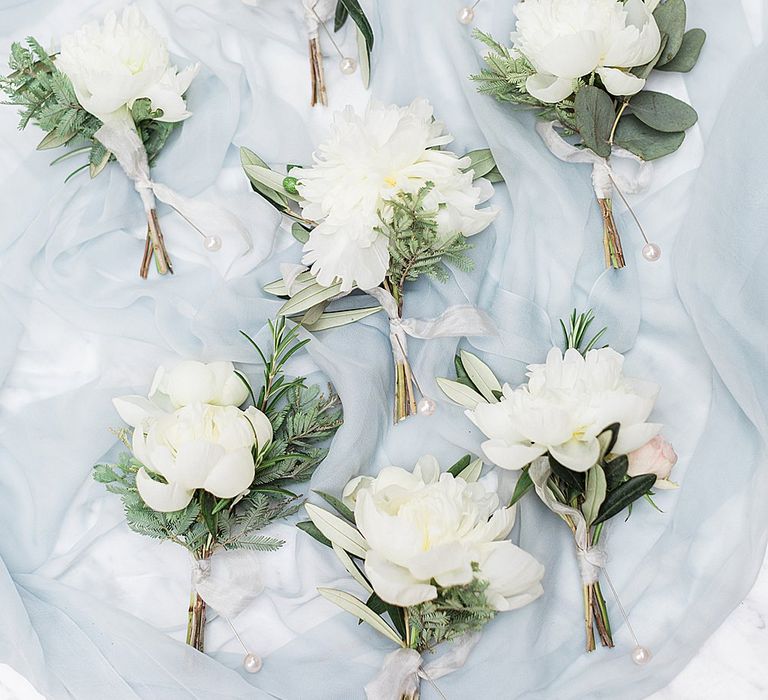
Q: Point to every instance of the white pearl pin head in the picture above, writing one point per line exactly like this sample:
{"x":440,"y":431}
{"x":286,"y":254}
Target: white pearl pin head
{"x":466,"y":15}
{"x":348,"y":65}
{"x":651,"y":252}
{"x":426,"y":407}
{"x":212,"y":243}
{"x":641,"y":656}
{"x":252,"y":663}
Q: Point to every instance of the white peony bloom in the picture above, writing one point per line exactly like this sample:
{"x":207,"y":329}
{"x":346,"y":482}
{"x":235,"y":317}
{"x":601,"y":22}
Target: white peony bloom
{"x":569,"y":39}
{"x":566,"y":404}
{"x":366,"y":161}
{"x":120,"y":61}
{"x":197,"y":382}
{"x":426,"y":529}
{"x":199,"y":446}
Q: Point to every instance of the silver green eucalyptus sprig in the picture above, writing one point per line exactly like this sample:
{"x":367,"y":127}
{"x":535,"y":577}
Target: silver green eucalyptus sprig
{"x":607,"y":108}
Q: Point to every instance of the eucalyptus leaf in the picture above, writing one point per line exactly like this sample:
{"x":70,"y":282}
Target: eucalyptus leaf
{"x":299,"y":232}
{"x":524,"y":485}
{"x":622,"y":497}
{"x":494,"y":176}
{"x":645,"y":70}
{"x":338,"y":531}
{"x":335,"y":319}
{"x":670,"y":18}
{"x":346,"y":601}
{"x":594,"y":495}
{"x":594,"y":118}
{"x":663,"y":112}
{"x":308,"y":297}
{"x":460,"y":393}
{"x":481,"y":376}
{"x":645,"y":142}
{"x":481,"y":162}
{"x":688,"y":54}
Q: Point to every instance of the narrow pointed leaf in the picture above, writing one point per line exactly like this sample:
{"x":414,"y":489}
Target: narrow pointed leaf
{"x":335,"y":319}
{"x":307,"y":298}
{"x":352,"y":570}
{"x":524,"y":485}
{"x":482,"y":162}
{"x":461,"y":465}
{"x":481,"y":376}
{"x":346,"y":601}
{"x":594,"y":493}
{"x":338,"y":505}
{"x":460,"y":393}
{"x":623,"y":497}
{"x":472,"y":471}
{"x":311,"y":529}
{"x":338,"y":531}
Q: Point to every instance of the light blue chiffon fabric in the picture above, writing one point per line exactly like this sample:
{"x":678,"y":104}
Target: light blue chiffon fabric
{"x":91,"y":610}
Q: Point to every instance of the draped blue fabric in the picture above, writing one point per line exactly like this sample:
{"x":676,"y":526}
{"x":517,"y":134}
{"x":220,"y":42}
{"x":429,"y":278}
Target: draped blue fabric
{"x":91,"y":610}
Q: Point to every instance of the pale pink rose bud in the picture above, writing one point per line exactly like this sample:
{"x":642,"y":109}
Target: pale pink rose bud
{"x":655,"y":457}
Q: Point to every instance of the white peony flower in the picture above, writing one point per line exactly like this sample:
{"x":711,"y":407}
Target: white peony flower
{"x":566,"y":404}
{"x":569,"y":39}
{"x":120,"y":61}
{"x":426,"y":529}
{"x":191,"y":432}
{"x":366,"y":161}
{"x":199,"y":446}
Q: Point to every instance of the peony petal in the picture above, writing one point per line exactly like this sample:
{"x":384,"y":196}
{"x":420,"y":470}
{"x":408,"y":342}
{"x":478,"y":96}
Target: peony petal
{"x":619,"y":82}
{"x":353,"y":488}
{"x":194,"y":462}
{"x":513,"y":575}
{"x":136,"y":410}
{"x":164,"y":498}
{"x":427,"y":469}
{"x":571,"y":55}
{"x":449,"y":564}
{"x":190,"y":382}
{"x":261,"y":426}
{"x":549,"y":88}
{"x":394,"y":584}
{"x":231,"y":475}
{"x":632,"y":437}
{"x":578,"y":455}
{"x":514,"y":456}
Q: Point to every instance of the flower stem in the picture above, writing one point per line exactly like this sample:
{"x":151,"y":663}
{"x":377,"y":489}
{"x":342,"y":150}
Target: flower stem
{"x":614,"y":255}
{"x":590,"y":634}
{"x":155,"y":246}
{"x":196,"y":622}
{"x":316,"y":73}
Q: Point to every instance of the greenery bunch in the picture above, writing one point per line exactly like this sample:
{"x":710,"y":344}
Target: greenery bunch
{"x":46,"y":98}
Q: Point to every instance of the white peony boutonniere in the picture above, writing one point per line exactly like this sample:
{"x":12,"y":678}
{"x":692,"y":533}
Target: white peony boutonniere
{"x":583,"y":65}
{"x":578,"y":431}
{"x":383,"y":203}
{"x":208,"y":474}
{"x":430,"y":550}
{"x":112,"y":93}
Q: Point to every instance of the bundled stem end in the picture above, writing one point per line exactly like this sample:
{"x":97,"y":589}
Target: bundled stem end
{"x":316,"y":74}
{"x":614,"y":255}
{"x":196,"y":622}
{"x":405,"y":397}
{"x":596,"y":617}
{"x":155,"y":246}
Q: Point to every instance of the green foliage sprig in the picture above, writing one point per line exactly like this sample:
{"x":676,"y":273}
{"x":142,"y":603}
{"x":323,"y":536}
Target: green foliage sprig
{"x":47,"y":99}
{"x":302,"y":420}
{"x":415,"y":248}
